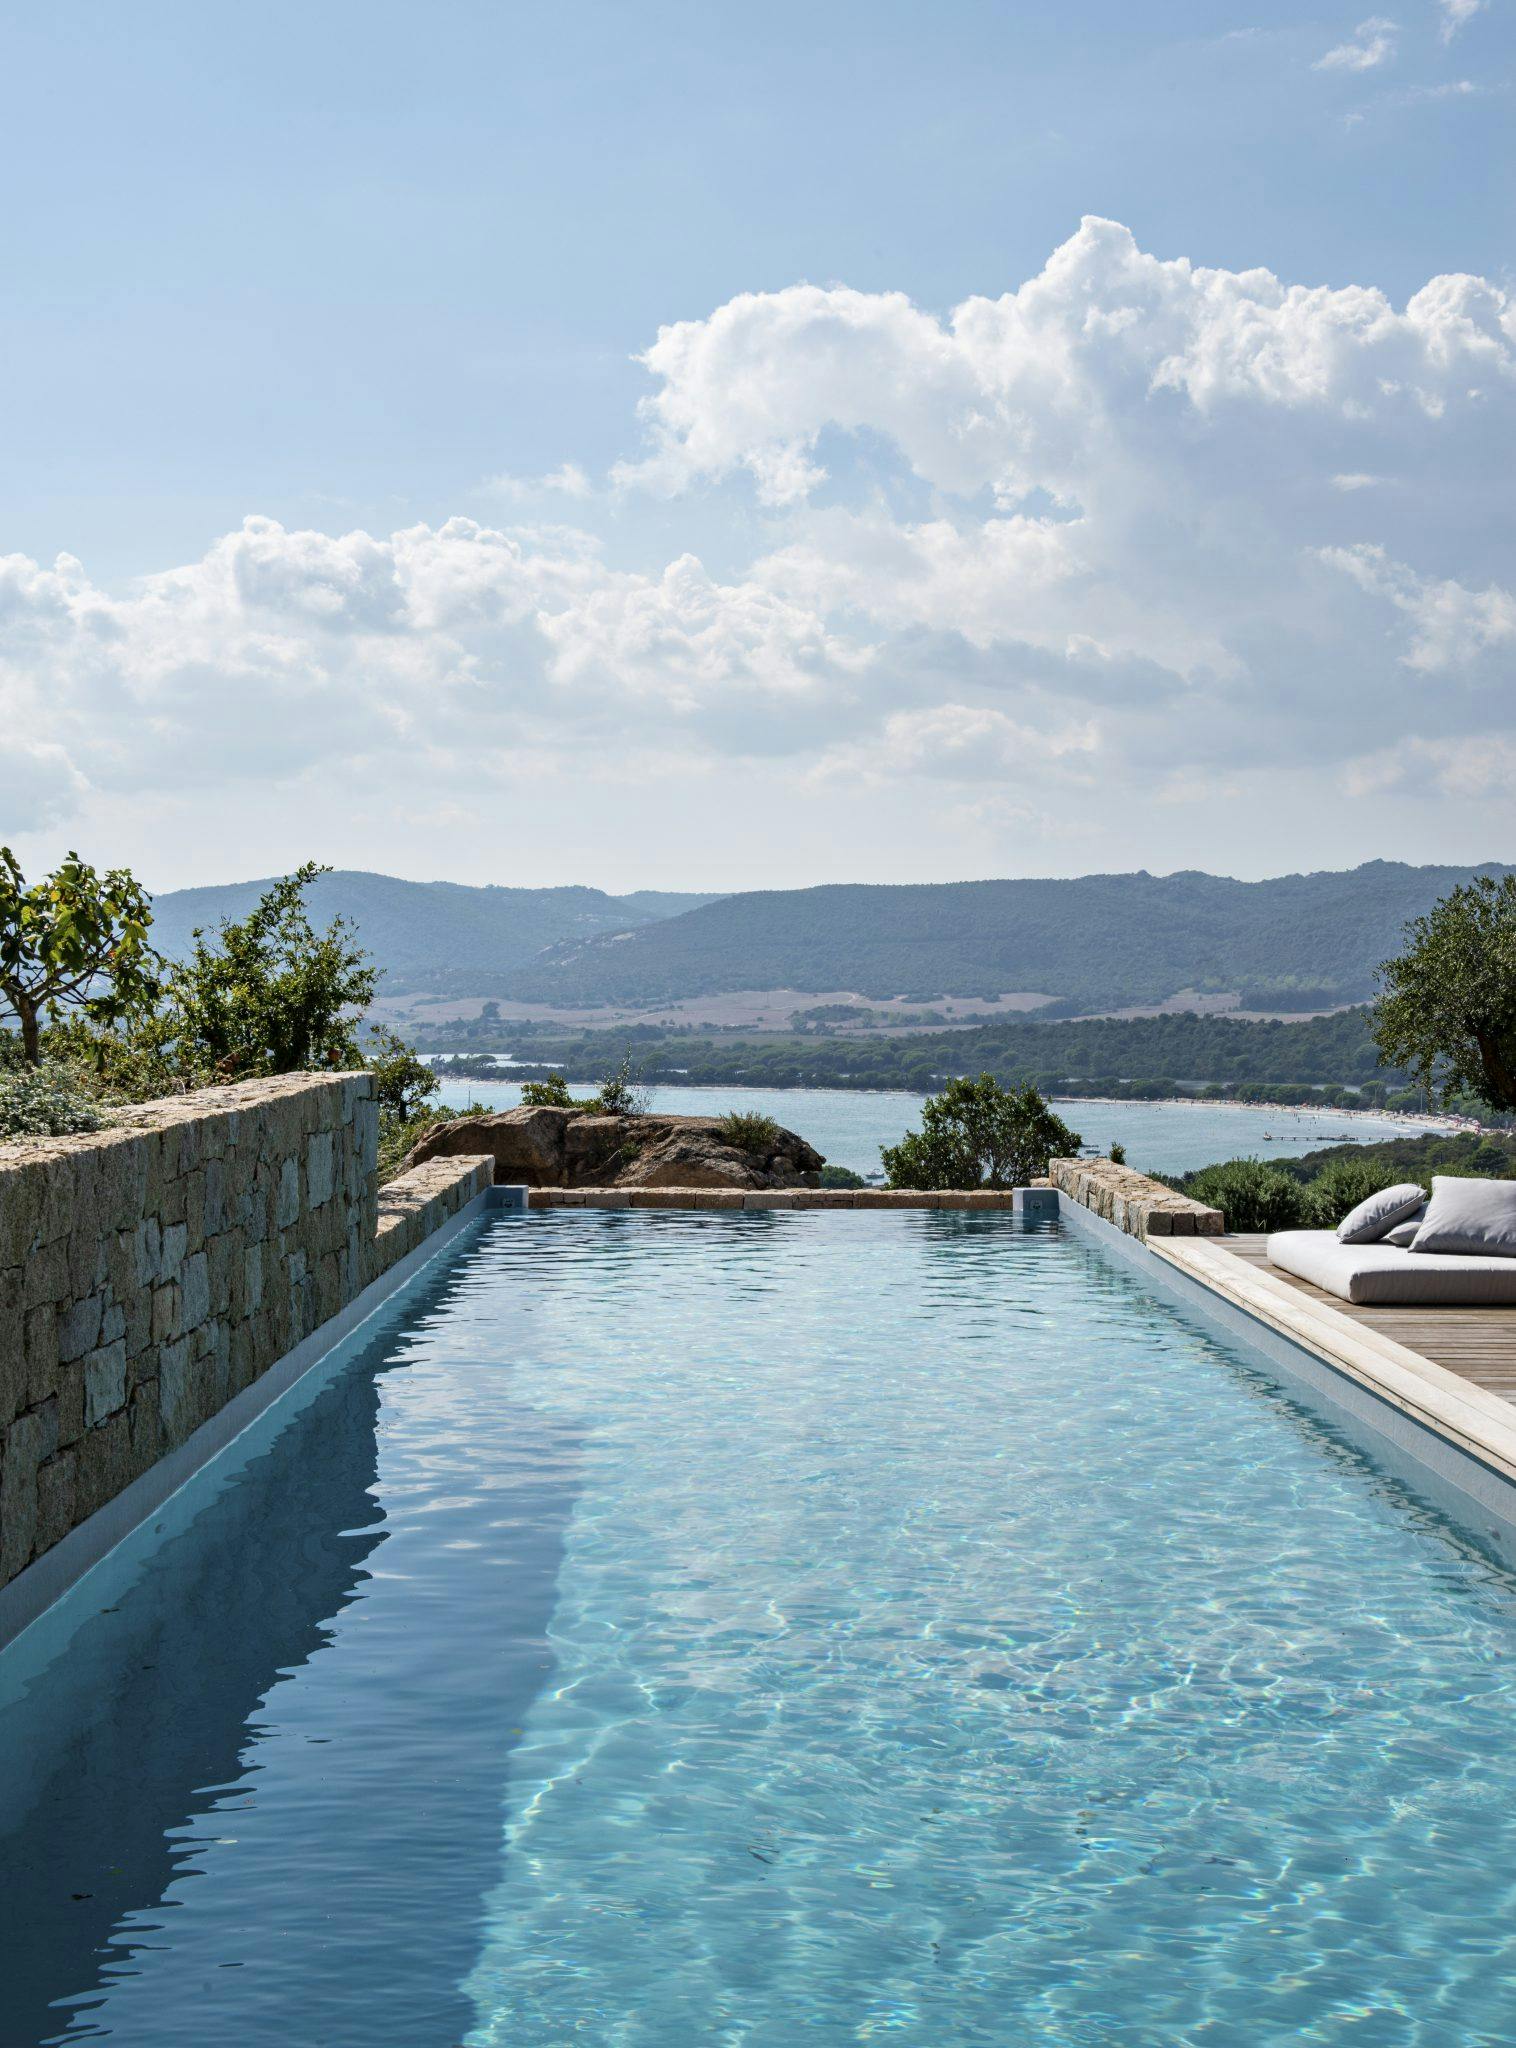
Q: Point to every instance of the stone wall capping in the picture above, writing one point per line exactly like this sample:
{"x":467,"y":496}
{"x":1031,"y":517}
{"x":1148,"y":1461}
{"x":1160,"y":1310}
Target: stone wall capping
{"x":1132,"y":1201}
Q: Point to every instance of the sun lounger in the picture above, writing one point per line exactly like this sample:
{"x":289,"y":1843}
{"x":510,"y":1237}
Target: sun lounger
{"x":1382,"y":1273}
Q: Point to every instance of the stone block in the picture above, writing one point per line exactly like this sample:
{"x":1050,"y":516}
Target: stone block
{"x":55,"y":1499}
{"x":252,"y":1263}
{"x":196,"y":1291}
{"x":718,"y":1198}
{"x":769,"y":1198}
{"x":79,"y":1327}
{"x":104,"y":1383}
{"x":45,"y":1277}
{"x":174,"y":1399}
{"x":103,"y":1462}
{"x":287,"y":1212}
{"x":175,"y":1245}
{"x":41,"y":1341}
{"x":607,"y":1198}
{"x":318,"y":1170}
{"x":12,"y":1344}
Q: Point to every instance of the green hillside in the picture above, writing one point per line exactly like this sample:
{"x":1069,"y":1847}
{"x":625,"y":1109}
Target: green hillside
{"x":441,"y":938}
{"x":1101,"y":941}
{"x":1153,"y":1052}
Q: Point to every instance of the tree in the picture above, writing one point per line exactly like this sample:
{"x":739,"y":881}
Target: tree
{"x":74,"y":942}
{"x":404,"y":1084}
{"x":271,"y":995}
{"x":977,"y":1134}
{"x":1447,"y":1004}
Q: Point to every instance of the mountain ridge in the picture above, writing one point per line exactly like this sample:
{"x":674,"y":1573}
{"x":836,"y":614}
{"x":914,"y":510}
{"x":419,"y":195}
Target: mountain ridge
{"x":1288,"y":943}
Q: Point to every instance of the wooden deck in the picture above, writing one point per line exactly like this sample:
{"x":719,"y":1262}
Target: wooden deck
{"x":1478,"y":1344}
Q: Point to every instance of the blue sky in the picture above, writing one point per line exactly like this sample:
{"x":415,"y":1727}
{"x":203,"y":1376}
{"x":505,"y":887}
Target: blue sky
{"x":359,"y":271}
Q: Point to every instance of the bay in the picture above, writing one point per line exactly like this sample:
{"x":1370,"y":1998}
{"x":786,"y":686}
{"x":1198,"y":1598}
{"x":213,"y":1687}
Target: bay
{"x":848,"y":1126}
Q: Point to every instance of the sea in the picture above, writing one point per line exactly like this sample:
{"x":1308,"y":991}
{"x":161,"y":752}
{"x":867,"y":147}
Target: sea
{"x":849,"y":1125}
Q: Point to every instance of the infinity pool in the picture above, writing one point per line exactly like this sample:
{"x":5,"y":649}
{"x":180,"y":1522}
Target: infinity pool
{"x":674,"y":1629}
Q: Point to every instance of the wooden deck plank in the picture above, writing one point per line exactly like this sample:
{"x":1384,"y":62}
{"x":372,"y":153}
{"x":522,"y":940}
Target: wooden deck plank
{"x":1479,"y":1344}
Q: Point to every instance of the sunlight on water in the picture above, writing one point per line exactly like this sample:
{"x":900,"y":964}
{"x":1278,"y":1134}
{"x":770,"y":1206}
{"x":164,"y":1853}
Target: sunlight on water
{"x":753,"y":1629}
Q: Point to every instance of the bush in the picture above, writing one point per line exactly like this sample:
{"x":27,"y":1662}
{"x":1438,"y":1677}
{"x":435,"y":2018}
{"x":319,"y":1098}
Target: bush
{"x":1118,"y":1155}
{"x":749,"y":1131}
{"x":621,"y":1092}
{"x":45,"y":1102}
{"x":976,"y":1134}
{"x":396,"y":1137}
{"x":1342,"y":1185}
{"x":841,"y":1177}
{"x":403,"y":1083}
{"x":553,"y":1093}
{"x":1251,"y":1194}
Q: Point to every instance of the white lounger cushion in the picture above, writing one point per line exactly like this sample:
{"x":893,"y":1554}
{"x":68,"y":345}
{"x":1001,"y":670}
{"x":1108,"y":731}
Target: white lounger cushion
{"x":1370,"y":1273}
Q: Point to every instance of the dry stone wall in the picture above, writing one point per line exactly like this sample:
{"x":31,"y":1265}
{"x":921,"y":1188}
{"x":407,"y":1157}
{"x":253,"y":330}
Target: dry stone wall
{"x":151,"y":1271}
{"x":1132,"y":1201}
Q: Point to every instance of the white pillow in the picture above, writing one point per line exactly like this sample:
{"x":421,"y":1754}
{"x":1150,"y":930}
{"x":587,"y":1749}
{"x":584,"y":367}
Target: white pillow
{"x":1403,"y":1233}
{"x":1476,"y":1218}
{"x":1379,"y":1213}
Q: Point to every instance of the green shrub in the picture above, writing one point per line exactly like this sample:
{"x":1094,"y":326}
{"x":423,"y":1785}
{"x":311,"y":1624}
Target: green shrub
{"x":976,"y":1134}
{"x":45,"y":1102}
{"x":553,"y":1093}
{"x":749,"y":1131}
{"x":622,"y":1092}
{"x":1118,"y":1155}
{"x":1252,"y":1194}
{"x":841,"y":1177}
{"x":1342,"y":1185}
{"x":396,"y":1137}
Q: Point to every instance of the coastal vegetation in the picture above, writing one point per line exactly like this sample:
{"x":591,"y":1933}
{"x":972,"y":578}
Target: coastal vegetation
{"x":976,"y":1134}
{"x":1316,"y":1190}
{"x":1334,"y":1059}
{"x":102,"y":1018}
{"x":1447,"y":1006}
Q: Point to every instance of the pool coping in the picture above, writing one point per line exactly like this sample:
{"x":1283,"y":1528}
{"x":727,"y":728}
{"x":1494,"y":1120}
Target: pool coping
{"x":1450,"y":1440}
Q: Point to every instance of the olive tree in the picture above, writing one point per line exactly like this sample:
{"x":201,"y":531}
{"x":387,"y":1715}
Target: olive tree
{"x":976,"y":1134}
{"x":1447,"y":1004}
{"x":269,"y":994}
{"x":75,"y":944}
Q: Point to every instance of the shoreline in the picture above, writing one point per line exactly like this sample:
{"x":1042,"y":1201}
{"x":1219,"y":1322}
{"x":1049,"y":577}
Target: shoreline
{"x":1429,"y":1121}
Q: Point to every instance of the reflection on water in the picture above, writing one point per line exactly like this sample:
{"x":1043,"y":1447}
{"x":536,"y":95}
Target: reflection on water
{"x":262,"y":1787}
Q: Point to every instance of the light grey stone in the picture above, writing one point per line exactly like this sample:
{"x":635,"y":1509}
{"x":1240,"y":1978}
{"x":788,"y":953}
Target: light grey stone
{"x":288,"y":1212}
{"x":104,"y":1382}
{"x":197,"y":1292}
{"x":79,"y":1328}
{"x":318,"y":1170}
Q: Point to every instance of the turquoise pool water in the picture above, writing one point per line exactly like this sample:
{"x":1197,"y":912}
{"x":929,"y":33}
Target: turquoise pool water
{"x":763,"y":1629}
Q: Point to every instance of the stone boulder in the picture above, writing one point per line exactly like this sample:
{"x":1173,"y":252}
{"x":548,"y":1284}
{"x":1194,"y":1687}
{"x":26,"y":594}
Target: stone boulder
{"x":575,"y":1148}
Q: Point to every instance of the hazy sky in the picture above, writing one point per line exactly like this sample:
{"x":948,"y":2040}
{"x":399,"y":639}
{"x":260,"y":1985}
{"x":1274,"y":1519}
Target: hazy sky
{"x":717,"y":446}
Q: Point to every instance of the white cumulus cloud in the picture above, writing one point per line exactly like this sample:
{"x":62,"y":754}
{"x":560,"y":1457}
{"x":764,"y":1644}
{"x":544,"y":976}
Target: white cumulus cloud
{"x":1457,"y":14}
{"x":1116,"y":528}
{"x":1373,"y":43}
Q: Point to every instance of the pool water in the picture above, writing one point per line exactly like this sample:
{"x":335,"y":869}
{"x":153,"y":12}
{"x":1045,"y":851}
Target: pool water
{"x":683,"y":1628}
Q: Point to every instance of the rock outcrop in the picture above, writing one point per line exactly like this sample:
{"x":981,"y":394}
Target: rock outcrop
{"x":572,"y":1148}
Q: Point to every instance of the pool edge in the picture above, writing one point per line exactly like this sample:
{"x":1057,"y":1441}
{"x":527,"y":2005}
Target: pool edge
{"x":1443,"y":1436}
{"x":28,"y":1596}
